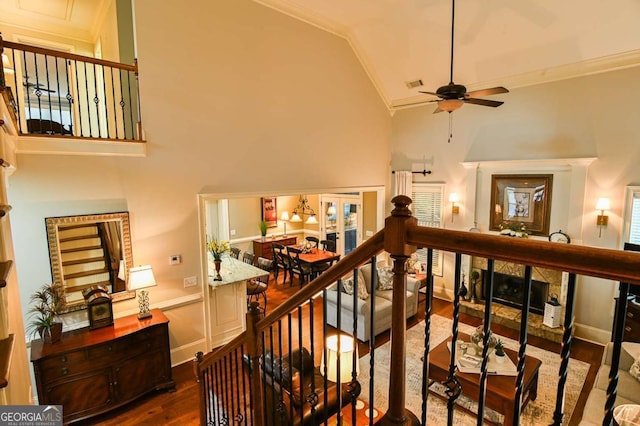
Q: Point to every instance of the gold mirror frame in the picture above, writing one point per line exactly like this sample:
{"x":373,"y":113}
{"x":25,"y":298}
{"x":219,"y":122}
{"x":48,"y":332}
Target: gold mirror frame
{"x":53,"y":224}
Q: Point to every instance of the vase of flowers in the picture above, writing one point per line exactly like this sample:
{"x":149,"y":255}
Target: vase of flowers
{"x":514,"y":229}
{"x":217,"y":248}
{"x":49,"y":301}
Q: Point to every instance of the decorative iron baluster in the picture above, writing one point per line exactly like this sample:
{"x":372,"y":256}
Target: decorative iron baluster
{"x":113,"y":98}
{"x":96,"y":99}
{"x":86,"y":84}
{"x":485,"y":341}
{"x":106,"y":110}
{"x":454,"y":389}
{"x":372,"y":339}
{"x":566,"y":350}
{"x":272,"y":409}
{"x":427,"y":335}
{"x":75,"y":67}
{"x":618,"y":336}
{"x":324,"y":339}
{"x":522,"y":352}
{"x":313,"y":396}
{"x":237,"y":359}
{"x":281,"y":409}
{"x":228,"y":391}
{"x":290,"y":335}
{"x":48,"y":90}
{"x":248,"y":414}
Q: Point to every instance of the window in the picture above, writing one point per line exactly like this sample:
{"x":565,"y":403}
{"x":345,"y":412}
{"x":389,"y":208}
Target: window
{"x":632,"y":215}
{"x":427,"y":208}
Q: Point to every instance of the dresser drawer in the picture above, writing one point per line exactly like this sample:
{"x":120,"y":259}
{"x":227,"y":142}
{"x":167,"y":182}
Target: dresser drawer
{"x":64,"y":365}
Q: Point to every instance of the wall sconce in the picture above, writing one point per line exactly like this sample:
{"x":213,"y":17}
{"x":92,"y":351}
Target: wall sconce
{"x":303,"y":208}
{"x":602,"y":220}
{"x":455,"y":208}
{"x":285,"y":218}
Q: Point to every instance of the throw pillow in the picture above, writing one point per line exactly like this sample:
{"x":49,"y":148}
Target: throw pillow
{"x":348,"y":287}
{"x":362,"y":290}
{"x":635,"y":369}
{"x":385,"y":278}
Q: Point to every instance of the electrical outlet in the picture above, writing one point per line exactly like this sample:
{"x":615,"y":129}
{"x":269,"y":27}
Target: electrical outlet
{"x":232,"y":232}
{"x":369,"y":233}
{"x":191,"y":282}
{"x":176,"y":259}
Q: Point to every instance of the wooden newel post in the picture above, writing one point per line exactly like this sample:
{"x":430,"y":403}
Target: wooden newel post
{"x":254,"y":350}
{"x":395,"y":244}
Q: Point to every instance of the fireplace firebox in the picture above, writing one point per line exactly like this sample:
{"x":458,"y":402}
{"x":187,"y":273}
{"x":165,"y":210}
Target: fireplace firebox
{"x":509,"y":290}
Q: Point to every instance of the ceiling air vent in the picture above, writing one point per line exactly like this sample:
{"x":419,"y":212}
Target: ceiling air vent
{"x":413,"y":84}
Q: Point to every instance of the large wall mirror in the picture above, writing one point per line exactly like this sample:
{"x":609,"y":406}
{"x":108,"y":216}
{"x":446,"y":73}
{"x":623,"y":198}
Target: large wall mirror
{"x":90,"y":250}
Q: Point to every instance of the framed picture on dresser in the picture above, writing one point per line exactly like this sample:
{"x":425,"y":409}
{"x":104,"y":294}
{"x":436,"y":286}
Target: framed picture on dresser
{"x":270,"y":211}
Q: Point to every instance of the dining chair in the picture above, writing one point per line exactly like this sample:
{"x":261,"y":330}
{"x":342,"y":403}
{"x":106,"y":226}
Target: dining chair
{"x":235,"y":252}
{"x":297,"y":266}
{"x":328,"y":245}
{"x":313,"y":240}
{"x":258,"y":286}
{"x":248,"y":258}
{"x":319,"y":268}
{"x":280,"y":262}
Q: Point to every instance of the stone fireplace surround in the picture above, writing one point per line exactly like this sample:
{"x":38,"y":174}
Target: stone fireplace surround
{"x":509,"y":316}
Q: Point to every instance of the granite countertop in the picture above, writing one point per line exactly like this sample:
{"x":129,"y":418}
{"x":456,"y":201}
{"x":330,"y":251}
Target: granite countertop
{"x":232,"y":271}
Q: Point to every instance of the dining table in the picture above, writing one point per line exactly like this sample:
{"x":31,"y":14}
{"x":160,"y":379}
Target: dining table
{"x":316,"y":255}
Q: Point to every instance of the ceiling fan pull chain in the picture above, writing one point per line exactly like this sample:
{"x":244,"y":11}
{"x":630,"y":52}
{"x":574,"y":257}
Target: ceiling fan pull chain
{"x":450,"y":127}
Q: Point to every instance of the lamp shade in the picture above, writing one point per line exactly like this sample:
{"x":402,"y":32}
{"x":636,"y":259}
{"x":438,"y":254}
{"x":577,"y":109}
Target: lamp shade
{"x":340,"y":347}
{"x":284,"y":216}
{"x":141,"y":277}
{"x":603,"y":204}
{"x":312,"y":220}
{"x":295,"y":218}
{"x":453,"y":197}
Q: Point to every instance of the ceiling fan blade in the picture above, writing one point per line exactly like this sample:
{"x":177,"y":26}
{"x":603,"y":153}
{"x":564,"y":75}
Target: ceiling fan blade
{"x":487,"y":92}
{"x":483,"y":102}
{"x":429,"y":93}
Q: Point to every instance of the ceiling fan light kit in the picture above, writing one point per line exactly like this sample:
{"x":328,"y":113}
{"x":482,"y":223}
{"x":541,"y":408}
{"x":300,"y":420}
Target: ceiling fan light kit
{"x":453,"y":96}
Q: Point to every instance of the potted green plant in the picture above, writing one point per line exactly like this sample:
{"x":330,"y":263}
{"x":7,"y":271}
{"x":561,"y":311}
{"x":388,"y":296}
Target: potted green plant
{"x":499,"y":351}
{"x":49,"y":301}
{"x":263,"y":228}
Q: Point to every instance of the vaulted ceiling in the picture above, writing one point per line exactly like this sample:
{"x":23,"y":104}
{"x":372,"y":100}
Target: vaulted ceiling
{"x":497,"y":42}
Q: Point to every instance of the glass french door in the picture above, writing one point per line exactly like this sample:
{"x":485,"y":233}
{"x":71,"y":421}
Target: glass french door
{"x":341,"y":220}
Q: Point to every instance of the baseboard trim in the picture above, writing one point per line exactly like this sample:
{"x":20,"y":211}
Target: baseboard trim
{"x":186,"y":353}
{"x":592,"y":334}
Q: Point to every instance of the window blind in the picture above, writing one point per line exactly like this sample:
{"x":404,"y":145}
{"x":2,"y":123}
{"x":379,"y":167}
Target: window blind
{"x":634,"y":228}
{"x":427,"y":208}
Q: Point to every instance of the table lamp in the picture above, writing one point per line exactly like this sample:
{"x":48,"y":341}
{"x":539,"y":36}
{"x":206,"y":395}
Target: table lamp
{"x":139,"y":278}
{"x":340,"y":347}
{"x":285,"y":218}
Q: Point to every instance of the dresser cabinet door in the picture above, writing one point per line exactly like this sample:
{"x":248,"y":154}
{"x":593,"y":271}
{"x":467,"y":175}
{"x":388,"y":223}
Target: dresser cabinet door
{"x":81,"y":394}
{"x":137,"y":375}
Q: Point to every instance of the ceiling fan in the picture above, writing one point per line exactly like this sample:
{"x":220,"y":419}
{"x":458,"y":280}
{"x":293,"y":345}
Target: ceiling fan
{"x":453,"y":96}
{"x":38,"y":86}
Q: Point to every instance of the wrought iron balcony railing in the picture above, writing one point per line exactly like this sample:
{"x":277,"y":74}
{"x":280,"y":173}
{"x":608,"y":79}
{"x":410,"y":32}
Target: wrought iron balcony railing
{"x":54,"y":93}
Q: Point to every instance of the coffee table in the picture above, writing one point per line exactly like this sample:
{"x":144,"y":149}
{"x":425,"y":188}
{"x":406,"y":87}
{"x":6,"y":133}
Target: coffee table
{"x":500,"y":390}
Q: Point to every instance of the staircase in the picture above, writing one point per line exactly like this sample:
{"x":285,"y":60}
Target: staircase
{"x":85,"y":262}
{"x":262,"y":377}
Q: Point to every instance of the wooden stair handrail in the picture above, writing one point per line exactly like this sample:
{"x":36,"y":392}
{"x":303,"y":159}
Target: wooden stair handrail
{"x":616,"y":265}
{"x":66,"y":55}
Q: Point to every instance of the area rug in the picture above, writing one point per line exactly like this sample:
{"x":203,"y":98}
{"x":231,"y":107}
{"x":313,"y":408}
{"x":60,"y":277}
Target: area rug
{"x":538,"y":412}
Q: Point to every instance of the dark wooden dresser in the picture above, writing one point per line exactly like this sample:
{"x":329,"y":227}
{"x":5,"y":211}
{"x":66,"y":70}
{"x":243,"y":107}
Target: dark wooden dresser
{"x":262,"y":248}
{"x":90,"y":372}
{"x":631,"y":320}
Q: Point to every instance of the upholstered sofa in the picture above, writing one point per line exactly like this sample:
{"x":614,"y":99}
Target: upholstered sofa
{"x":382,"y":305}
{"x":628,"y":386}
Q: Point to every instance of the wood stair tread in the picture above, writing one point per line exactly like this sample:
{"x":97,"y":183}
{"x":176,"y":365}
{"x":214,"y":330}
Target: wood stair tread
{"x":83,"y":286}
{"x":84,"y":260}
{"x":76,"y":249}
{"x":85,"y":273}
{"x":79,"y":237}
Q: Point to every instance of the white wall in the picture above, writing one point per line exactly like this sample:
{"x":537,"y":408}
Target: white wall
{"x":235,"y":98}
{"x":595,"y":116}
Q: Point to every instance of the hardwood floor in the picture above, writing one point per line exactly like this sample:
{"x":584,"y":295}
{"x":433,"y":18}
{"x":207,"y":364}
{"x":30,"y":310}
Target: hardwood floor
{"x":181,"y":407}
